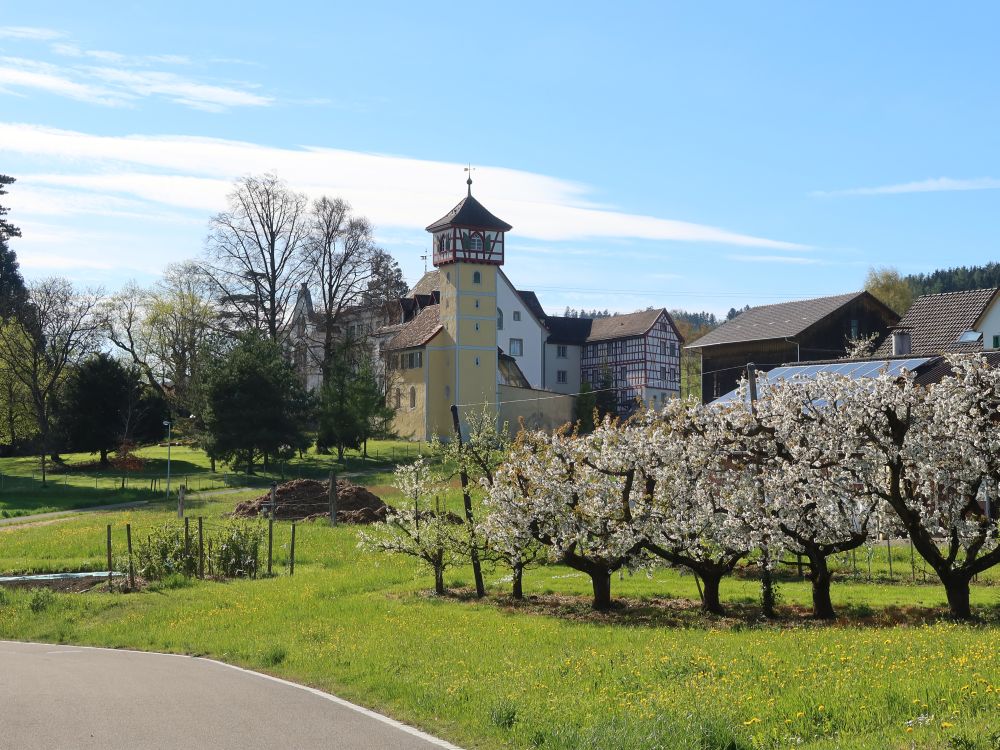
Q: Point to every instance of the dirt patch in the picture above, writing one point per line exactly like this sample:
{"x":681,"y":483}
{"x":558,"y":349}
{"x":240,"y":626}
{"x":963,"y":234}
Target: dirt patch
{"x":307,"y":499}
{"x":60,"y":585}
{"x":30,"y":524}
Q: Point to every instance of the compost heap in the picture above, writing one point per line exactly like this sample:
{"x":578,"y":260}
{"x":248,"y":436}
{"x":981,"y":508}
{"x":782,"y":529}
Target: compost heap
{"x":306,"y":499}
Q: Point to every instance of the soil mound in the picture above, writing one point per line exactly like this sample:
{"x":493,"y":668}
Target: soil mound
{"x":307,"y":499}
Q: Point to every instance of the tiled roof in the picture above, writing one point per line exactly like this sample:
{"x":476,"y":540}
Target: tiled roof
{"x":418,"y":331}
{"x":470,"y":213}
{"x":619,"y":326}
{"x":939,"y":368}
{"x":530,"y":300}
{"x":783,"y":320}
{"x":935,"y":322}
{"x":428,"y":284}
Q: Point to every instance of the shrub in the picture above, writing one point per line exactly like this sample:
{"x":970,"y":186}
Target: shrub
{"x":41,"y":600}
{"x":236,"y":551}
{"x":163,"y":554}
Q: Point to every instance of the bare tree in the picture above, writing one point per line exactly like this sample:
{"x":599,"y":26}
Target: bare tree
{"x":347,"y":268}
{"x":256,"y":251}
{"x":58,"y":328}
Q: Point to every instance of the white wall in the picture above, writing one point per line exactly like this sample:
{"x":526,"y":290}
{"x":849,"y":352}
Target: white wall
{"x":990,"y":326}
{"x":528,"y":329}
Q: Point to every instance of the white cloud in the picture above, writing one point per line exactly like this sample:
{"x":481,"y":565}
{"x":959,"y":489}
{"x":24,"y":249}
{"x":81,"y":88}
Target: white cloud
{"x":394,"y":191}
{"x":930,"y":185}
{"x":122,"y":80}
{"x":33,"y":33}
{"x":789,"y":259}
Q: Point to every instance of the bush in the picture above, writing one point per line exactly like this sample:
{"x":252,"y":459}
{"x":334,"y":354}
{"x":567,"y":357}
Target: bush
{"x":163,"y":554}
{"x":236,"y":551}
{"x":41,"y":600}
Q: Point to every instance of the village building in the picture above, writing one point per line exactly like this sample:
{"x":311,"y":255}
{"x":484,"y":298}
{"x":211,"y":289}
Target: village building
{"x":788,"y":332}
{"x":949,"y":323}
{"x":466,"y":335}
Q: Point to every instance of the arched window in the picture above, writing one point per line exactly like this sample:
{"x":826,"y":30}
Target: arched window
{"x":499,"y":319}
{"x":413,"y":397}
{"x":477,"y":277}
{"x":476,"y":243}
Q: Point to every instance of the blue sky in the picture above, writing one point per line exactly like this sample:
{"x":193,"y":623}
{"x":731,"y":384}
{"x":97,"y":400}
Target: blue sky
{"x":696,"y":155}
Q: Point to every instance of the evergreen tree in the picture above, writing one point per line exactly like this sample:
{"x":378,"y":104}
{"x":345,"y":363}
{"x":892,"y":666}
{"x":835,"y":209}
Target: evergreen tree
{"x":12,"y":290}
{"x":257,"y":408}
{"x":352,"y":407}
{"x":586,"y":402}
{"x":95,"y":405}
{"x":606,"y":397}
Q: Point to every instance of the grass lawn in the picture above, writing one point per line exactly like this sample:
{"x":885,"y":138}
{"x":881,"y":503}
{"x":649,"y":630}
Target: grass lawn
{"x":548,"y":673}
{"x":78,"y":484}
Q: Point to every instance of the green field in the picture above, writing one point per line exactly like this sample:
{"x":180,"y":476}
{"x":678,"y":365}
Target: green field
{"x":76,"y":484}
{"x":549,"y":673}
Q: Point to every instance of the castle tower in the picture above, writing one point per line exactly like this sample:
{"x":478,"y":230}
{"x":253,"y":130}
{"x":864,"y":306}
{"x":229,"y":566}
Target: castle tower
{"x":468,"y":250}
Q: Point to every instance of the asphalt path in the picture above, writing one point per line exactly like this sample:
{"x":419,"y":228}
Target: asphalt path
{"x":58,"y":697}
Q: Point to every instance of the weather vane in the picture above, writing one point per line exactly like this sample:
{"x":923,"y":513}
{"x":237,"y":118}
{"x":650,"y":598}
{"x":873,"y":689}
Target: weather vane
{"x":470,"y":169}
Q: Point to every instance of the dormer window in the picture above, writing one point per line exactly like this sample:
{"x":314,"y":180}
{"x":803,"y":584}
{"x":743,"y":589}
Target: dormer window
{"x":970,"y":337}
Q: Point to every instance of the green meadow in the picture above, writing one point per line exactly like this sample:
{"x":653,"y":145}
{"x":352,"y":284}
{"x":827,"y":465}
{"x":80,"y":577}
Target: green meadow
{"x":547,"y":673}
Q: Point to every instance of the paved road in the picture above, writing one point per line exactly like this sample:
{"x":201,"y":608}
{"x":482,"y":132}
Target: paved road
{"x":57,"y":697}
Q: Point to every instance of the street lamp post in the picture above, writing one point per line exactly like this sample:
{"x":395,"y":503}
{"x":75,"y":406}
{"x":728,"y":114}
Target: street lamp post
{"x":168,"y":425}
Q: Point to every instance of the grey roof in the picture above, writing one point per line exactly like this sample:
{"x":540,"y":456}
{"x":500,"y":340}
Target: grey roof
{"x":783,"y":320}
{"x":563,"y":330}
{"x":620,"y":326}
{"x":935,"y":322}
{"x":418,"y":331}
{"x":472,"y":214}
{"x":530,"y":300}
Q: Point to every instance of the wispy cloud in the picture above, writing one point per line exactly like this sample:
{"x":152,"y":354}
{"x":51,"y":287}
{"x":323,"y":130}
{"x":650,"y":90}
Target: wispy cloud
{"x":394,"y":191}
{"x":788,"y":259}
{"x":930,"y":185}
{"x":114,"y":79}
{"x":31,"y":33}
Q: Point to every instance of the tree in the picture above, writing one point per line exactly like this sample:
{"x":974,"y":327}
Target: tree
{"x":57,"y":328}
{"x":801,"y":439}
{"x":605,"y":396}
{"x":549,"y":491}
{"x":12,"y":290}
{"x":96,"y":404}
{"x":256,"y":252}
{"x":933,"y":452}
{"x":586,"y":404}
{"x":256,"y":405}
{"x":699,"y":506}
{"x":890,"y":288}
{"x":421,"y":528}
{"x":166,"y":330}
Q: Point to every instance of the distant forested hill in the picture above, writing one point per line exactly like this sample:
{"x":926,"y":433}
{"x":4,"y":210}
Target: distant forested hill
{"x":955,"y":279}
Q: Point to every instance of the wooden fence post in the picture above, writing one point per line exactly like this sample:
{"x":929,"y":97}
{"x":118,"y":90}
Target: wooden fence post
{"x":180,"y":502}
{"x":201,"y":548}
{"x":274,"y":498}
{"x":291,"y":556}
{"x":270,"y":543}
{"x":333,"y":498}
{"x":187,"y":539}
{"x":131,"y":569}
{"x":109,"y":557}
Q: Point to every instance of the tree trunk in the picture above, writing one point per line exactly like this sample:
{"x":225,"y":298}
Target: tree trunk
{"x":601,"y":579}
{"x":439,"y":580}
{"x":820,"y":576}
{"x":957,"y":589}
{"x":711,"y":581}
{"x":517,"y":591}
{"x":267,"y":462}
{"x":211,"y":463}
{"x":340,"y":453}
{"x":104,"y":456}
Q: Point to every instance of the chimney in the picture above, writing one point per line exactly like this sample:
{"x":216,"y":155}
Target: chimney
{"x":900,"y":343}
